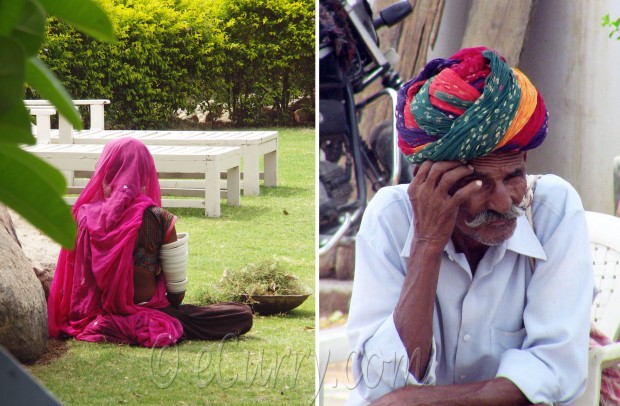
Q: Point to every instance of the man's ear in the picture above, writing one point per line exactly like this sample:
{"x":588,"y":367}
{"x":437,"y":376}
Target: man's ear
{"x":525,"y":156}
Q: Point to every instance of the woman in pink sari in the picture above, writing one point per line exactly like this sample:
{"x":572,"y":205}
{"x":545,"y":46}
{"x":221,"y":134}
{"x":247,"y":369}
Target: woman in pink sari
{"x":111,"y":286}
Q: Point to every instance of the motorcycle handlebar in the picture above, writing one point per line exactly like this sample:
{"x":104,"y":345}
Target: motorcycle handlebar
{"x":392,"y":14}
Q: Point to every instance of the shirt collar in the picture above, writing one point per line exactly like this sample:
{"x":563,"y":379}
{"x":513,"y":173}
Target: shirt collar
{"x":523,"y":241}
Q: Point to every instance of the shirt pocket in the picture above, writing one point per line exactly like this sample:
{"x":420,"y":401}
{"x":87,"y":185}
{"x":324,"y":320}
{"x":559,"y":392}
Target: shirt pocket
{"x":506,"y":340}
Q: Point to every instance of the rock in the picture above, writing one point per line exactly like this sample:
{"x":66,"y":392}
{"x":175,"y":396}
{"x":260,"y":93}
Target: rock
{"x":303,"y":116}
{"x":334,"y":295}
{"x":23,"y":308}
{"x":7,"y":223}
{"x":344,"y":265}
{"x":326,"y":263}
{"x":45,"y":274}
{"x":39,"y":248}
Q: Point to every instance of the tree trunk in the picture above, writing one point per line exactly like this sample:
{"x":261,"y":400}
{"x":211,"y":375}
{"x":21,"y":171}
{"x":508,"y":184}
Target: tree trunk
{"x":411,"y":39}
{"x":500,"y":25}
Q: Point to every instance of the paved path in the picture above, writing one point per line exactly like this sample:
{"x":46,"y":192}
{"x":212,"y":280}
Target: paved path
{"x":336,"y":385}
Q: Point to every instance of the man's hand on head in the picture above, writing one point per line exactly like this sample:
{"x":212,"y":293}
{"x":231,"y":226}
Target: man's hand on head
{"x":436,"y":200}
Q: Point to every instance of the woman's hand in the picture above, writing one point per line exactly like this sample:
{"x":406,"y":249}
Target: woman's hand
{"x":175,"y":299}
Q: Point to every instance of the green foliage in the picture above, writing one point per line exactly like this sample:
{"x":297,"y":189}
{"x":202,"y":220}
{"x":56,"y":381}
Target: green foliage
{"x":156,"y":67}
{"x":249,"y":57}
{"x":270,"y":49}
{"x":28,"y":185}
{"x":614,"y":25}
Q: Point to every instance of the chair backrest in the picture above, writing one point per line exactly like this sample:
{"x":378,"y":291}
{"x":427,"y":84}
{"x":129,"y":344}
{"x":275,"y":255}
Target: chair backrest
{"x":604,"y":233}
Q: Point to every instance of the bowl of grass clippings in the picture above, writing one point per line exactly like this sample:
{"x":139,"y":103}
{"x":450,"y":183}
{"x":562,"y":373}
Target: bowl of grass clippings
{"x":265,"y":286}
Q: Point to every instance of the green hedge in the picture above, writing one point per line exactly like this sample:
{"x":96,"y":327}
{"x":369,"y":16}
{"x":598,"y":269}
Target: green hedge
{"x":247,"y":57}
{"x":270,"y":49}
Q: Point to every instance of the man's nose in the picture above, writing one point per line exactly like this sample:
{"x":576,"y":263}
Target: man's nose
{"x":499,"y":199}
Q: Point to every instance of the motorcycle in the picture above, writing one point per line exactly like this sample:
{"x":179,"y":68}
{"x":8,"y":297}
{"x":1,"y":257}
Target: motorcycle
{"x":349,"y":61}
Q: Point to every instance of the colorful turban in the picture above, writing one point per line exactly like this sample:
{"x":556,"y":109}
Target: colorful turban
{"x":468,"y":106}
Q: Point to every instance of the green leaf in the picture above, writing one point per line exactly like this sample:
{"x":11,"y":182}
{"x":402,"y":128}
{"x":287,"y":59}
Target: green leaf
{"x":45,"y":82}
{"x":605,"y":21}
{"x":11,"y":11}
{"x":11,"y":73}
{"x":33,"y":188}
{"x":15,"y":126}
{"x":30,"y":29}
{"x":85,"y":15}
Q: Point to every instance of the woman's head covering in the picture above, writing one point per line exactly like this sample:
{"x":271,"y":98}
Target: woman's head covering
{"x":91,"y":297}
{"x":124,"y":171}
{"x":468,"y":106}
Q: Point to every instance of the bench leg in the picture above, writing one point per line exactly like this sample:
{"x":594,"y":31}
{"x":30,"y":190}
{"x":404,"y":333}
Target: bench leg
{"x":65,"y":130}
{"x":233,"y":189}
{"x":69,"y":177}
{"x":43,"y":129}
{"x":251,"y":186}
{"x":271,"y":168}
{"x":212,"y":189}
{"x":96,"y":117}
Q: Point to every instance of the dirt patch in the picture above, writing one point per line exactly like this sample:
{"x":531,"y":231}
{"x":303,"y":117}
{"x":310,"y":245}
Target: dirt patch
{"x":41,"y":250}
{"x":55,"y":349}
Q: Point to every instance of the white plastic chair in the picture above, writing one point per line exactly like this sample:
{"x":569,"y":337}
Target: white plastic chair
{"x":605,"y":243}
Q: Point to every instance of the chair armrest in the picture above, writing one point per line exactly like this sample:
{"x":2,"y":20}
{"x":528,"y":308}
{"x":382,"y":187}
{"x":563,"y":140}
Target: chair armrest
{"x":598,"y":358}
{"x":606,"y":355}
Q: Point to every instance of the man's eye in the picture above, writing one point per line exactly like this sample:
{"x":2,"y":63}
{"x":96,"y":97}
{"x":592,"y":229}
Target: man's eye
{"x":516,"y":175}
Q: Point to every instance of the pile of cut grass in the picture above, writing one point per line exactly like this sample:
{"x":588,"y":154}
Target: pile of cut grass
{"x":269,"y":277}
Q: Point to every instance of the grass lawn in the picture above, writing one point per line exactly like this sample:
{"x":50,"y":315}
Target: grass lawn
{"x":273,"y":364}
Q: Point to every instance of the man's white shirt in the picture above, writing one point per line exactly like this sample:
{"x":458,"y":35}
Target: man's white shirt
{"x":529,"y":326}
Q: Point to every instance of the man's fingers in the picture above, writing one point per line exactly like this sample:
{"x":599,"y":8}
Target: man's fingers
{"x":438,"y":175}
{"x":432,"y":172}
{"x":455,"y":178}
{"x":439,"y":169}
{"x":422,"y":171}
{"x":466,"y":191}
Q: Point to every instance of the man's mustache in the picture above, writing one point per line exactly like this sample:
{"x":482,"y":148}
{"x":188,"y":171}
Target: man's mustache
{"x":491,"y":215}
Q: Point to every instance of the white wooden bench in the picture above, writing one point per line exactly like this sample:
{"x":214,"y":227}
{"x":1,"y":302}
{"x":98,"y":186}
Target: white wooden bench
{"x":253,"y":144}
{"x":65,"y":128}
{"x":202,"y":163}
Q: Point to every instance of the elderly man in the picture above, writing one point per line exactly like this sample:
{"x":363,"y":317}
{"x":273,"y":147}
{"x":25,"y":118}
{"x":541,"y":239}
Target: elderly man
{"x":458,"y":299}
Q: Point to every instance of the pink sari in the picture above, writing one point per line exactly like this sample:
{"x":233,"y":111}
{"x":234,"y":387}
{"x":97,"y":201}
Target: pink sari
{"x":91,"y":296}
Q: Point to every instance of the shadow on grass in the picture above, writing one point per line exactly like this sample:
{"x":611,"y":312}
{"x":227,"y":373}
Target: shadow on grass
{"x":300,"y":314}
{"x":248,"y":210}
{"x":281,"y":191}
{"x":248,"y":338}
{"x":293,"y":314}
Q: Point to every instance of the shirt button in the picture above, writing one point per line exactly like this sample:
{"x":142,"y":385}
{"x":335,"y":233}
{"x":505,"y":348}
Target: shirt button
{"x":466,"y":338}
{"x":463,"y":376}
